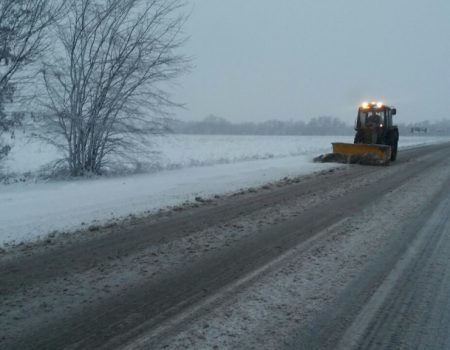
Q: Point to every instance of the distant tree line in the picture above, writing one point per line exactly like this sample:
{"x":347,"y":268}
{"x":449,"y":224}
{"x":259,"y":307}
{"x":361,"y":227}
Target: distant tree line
{"x":324,"y":125}
{"x":213,"y":125}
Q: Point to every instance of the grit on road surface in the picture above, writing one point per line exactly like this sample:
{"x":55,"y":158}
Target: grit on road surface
{"x":351,"y":258}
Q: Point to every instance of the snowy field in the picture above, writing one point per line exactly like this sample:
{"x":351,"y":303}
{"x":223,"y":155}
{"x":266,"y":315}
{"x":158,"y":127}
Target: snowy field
{"x":176,"y":169}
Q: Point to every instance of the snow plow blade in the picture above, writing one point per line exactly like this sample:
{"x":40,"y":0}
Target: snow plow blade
{"x":381,"y":152}
{"x":359,"y":153}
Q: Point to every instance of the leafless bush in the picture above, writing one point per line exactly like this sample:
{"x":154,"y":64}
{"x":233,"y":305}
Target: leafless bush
{"x":23,"y":29}
{"x":105,"y":86}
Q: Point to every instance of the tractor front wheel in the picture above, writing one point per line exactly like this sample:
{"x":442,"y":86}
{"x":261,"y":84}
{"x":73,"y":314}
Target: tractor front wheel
{"x":358,"y":137}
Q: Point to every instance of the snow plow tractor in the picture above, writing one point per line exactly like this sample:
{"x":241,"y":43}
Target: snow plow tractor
{"x":376,"y":138}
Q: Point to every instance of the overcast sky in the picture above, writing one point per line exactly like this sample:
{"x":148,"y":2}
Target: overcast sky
{"x":295,"y":59}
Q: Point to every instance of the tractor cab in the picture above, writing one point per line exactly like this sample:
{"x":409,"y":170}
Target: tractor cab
{"x":374,"y":115}
{"x":374,"y":125}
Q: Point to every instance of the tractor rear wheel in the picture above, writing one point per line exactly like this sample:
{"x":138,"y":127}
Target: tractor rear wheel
{"x":394,"y":151}
{"x":393,"y":141}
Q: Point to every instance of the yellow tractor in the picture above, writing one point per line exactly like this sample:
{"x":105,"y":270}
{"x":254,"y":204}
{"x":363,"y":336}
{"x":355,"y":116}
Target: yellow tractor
{"x":376,"y":138}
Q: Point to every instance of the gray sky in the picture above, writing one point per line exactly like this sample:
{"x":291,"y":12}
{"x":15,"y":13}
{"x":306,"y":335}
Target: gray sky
{"x":295,"y":59}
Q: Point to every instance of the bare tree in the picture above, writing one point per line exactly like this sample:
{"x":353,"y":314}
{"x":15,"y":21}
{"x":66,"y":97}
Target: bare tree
{"x":104,"y":90}
{"x":23,"y":28}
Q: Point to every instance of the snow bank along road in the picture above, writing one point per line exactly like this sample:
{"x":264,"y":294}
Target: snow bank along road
{"x":355,"y":257}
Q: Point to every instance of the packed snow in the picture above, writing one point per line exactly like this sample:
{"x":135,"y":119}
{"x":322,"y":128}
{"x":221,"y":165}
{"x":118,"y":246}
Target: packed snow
{"x":178,"y":168}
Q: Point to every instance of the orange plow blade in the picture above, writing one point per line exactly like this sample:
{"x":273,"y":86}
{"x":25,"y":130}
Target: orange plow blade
{"x":381,"y":153}
{"x":359,"y":153}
